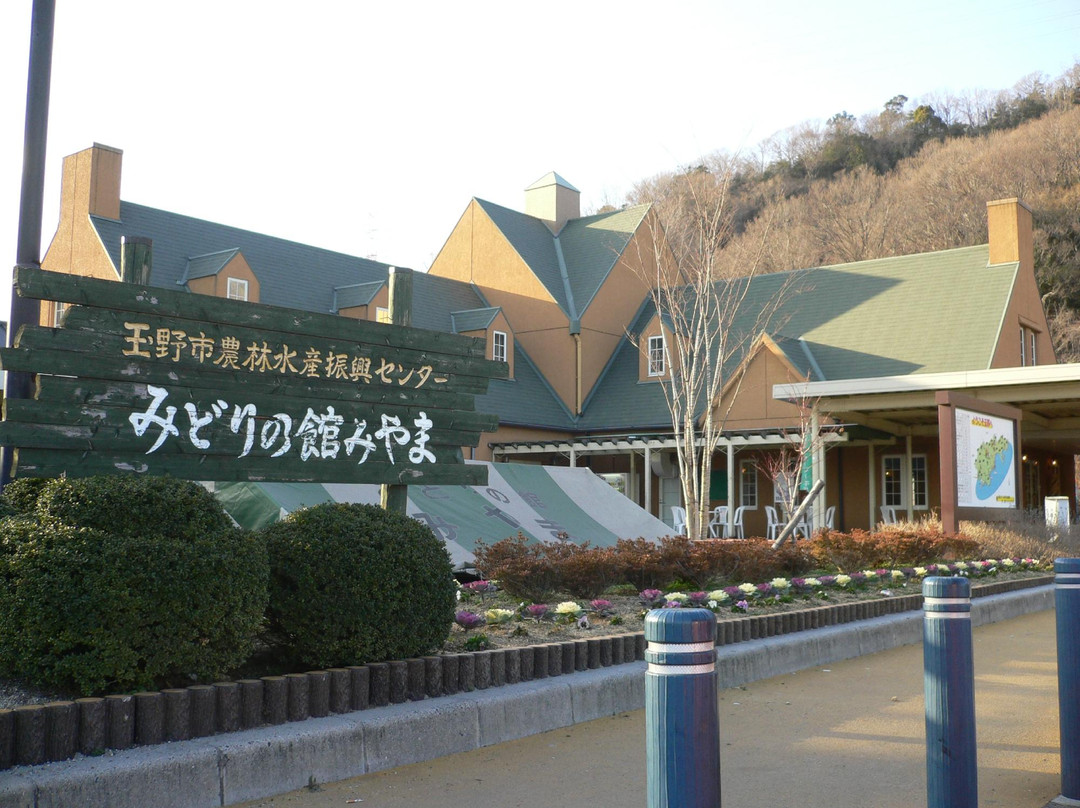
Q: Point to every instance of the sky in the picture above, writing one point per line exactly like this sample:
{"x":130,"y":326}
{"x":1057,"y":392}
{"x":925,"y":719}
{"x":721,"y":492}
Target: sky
{"x":367,"y":127}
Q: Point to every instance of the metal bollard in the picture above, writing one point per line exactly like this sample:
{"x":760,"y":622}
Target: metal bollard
{"x":682,"y":737}
{"x":949,"y":682}
{"x":1067,"y":605}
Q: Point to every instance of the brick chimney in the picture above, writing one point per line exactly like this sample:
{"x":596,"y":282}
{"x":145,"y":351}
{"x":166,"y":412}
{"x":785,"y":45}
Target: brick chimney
{"x":554,"y":200}
{"x":90,"y":186}
{"x":1009,"y":225}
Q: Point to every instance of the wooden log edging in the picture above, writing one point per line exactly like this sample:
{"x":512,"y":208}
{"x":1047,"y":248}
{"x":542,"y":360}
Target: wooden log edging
{"x":42,"y":733}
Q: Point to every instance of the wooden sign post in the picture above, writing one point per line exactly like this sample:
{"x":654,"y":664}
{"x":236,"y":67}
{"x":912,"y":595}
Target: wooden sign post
{"x":150,"y":381}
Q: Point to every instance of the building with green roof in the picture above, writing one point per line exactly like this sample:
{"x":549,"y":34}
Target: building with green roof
{"x":566,"y":300}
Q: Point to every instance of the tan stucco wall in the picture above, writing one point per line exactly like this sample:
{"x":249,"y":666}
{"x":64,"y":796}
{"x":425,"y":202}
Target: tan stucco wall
{"x":90,"y":183}
{"x":477,"y":252}
{"x":750,"y":404}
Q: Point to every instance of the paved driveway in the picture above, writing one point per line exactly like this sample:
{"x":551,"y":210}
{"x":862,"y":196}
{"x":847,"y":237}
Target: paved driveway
{"x":849,"y":735}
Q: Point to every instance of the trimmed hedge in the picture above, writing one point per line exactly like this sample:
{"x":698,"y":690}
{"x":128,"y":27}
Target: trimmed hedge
{"x":126,"y":583}
{"x":352,"y":584}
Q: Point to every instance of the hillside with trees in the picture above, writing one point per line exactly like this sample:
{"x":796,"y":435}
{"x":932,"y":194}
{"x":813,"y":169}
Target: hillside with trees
{"x":912,"y":178}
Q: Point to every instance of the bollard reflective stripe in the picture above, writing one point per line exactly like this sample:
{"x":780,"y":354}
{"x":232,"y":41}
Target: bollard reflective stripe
{"x":949,"y":684}
{"x":1067,"y":618}
{"x":682,"y":744}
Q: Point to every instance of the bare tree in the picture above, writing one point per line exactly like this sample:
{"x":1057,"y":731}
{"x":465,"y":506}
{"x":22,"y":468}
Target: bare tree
{"x":707,"y":329}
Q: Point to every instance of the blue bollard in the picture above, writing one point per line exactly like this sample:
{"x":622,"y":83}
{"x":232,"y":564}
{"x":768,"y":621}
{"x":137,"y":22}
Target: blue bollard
{"x":682,"y":735}
{"x":1067,"y":605}
{"x":949,"y":682}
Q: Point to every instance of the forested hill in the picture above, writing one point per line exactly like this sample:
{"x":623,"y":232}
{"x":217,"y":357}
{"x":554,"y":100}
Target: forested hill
{"x":912,"y":178}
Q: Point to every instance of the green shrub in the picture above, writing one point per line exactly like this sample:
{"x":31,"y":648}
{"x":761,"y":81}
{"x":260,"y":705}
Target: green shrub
{"x":21,"y":495}
{"x":134,"y":506}
{"x":103,"y":607}
{"x":353,"y":583}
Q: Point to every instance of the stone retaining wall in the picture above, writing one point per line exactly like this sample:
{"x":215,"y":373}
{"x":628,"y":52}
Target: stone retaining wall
{"x":56,"y":731}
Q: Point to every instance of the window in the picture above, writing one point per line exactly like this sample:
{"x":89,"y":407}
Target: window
{"x":892,"y":481}
{"x":58,"y":313}
{"x":382,"y":314}
{"x":747,"y":484}
{"x":1029,"y":338}
{"x":237,"y":289}
{"x":656,"y":356}
{"x":498,"y":346}
{"x":897,"y":488}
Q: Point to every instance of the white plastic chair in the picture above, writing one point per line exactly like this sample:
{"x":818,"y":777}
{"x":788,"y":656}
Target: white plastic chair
{"x":773,"y":522}
{"x":805,"y":526}
{"x":830,"y":516}
{"x":737,"y":522}
{"x":718,"y":522}
{"x":888,"y":514}
{"x":678,"y":516}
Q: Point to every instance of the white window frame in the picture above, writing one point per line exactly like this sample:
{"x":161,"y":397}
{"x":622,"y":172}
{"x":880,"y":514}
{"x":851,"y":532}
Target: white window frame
{"x":1034,"y":355}
{"x":236,"y":289}
{"x":1023,"y":346}
{"x":656,"y":355}
{"x":499,"y":342}
{"x":382,"y":314}
{"x":59,"y":307}
{"x":748,"y":484}
{"x":900,"y":486}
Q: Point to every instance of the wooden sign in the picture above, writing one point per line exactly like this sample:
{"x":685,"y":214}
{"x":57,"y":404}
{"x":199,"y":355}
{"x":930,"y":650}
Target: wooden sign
{"x":145,"y":380}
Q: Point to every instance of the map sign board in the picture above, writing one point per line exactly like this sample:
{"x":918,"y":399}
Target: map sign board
{"x":146,"y":380}
{"x":980,"y":455}
{"x":985,"y":450}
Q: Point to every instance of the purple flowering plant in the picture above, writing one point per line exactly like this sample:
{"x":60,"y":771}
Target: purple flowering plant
{"x":651,"y":597}
{"x":536,"y":611}
{"x":468,"y":620}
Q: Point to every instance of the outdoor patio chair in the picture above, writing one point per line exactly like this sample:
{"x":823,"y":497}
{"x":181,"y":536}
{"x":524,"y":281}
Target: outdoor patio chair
{"x":888,"y":514}
{"x":718,"y":522}
{"x":773,"y":522}
{"x":678,"y":516}
{"x":737,"y":522}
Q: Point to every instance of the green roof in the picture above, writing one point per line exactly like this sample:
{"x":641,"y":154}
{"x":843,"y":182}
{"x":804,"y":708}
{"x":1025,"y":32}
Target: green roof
{"x":573,"y":265}
{"x":204,"y":266}
{"x":926,"y":313}
{"x":474,"y":319}
{"x":356,"y":294}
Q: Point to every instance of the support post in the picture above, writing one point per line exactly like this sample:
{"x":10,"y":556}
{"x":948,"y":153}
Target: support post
{"x":136,"y":258}
{"x":648,"y":479}
{"x":396,"y":497}
{"x":26,"y":311}
{"x":682,"y":744}
{"x":732,"y":487}
{"x":949,"y":684}
{"x":1067,"y":606}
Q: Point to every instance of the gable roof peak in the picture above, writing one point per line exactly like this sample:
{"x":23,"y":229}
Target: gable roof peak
{"x":552,"y":178}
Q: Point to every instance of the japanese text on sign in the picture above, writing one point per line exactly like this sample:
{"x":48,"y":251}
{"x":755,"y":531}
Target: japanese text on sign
{"x":229,"y":353}
{"x":318,"y":436}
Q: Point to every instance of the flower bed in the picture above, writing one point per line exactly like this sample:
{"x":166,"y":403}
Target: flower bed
{"x":490,"y":618}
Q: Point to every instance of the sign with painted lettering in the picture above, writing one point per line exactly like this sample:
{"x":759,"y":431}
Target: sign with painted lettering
{"x":144,"y":380}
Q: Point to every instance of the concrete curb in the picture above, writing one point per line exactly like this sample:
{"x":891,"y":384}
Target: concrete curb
{"x":227,"y":769}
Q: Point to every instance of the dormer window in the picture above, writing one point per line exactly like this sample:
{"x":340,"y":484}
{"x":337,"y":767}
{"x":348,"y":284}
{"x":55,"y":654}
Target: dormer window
{"x":237,"y":289}
{"x":498,"y":346}
{"x":656,"y":356}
